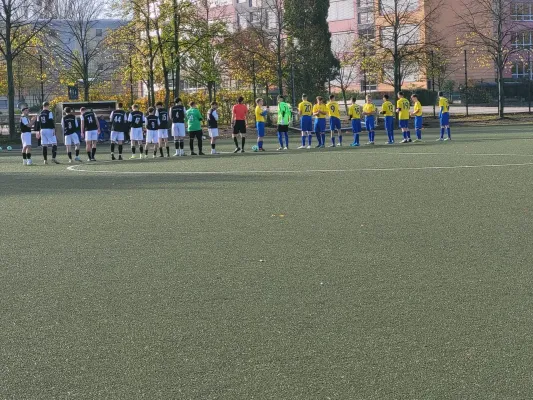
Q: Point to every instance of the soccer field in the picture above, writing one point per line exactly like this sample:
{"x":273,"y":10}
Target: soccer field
{"x":386,"y":272}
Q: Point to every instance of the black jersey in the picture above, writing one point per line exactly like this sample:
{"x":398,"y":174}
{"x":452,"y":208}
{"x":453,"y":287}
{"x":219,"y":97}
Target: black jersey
{"x":152,"y":123}
{"x":163,"y":118}
{"x":178,"y":114}
{"x":23,"y":127}
{"x":137,"y":119}
{"x":46,"y":120}
{"x":89,"y":121}
{"x":212,"y":119}
{"x":118,"y":121}
{"x":69,"y":124}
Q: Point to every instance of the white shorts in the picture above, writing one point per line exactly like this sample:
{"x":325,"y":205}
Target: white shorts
{"x":117,"y":136}
{"x":91,"y":135}
{"x":162,"y":133}
{"x":72,"y":139}
{"x":152,"y":137}
{"x":213,"y":132}
{"x":25,"y":137}
{"x":48,"y":137}
{"x":136,"y":134}
{"x":178,"y":129}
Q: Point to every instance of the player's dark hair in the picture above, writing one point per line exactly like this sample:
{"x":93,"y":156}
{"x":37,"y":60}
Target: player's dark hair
{"x":192,"y":103}
{"x":415,"y":96}
{"x":82,"y":109}
{"x":159,"y":103}
{"x":151,"y":110}
{"x":214,"y":103}
{"x":68,"y":110}
{"x":401,"y":93}
{"x":258,"y":100}
{"x":354,"y":99}
{"x":319,"y":98}
{"x":280,"y":97}
{"x":46,"y":104}
{"x":386,"y":96}
{"x":441,"y":94}
{"x":240,"y":99}
{"x":331,"y":96}
{"x":120,"y":105}
{"x":177,"y":100}
{"x":135,"y":106}
{"x":304,"y":96}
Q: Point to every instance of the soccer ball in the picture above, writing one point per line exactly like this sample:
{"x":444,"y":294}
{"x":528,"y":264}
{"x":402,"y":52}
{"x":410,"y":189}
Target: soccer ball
{"x":9,"y":148}
{"x":255,"y":148}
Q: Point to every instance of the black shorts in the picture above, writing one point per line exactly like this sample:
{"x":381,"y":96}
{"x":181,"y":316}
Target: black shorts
{"x":196,"y":134}
{"x":283,"y":128}
{"x":239,"y":127}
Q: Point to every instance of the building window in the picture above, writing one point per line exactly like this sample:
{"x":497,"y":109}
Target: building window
{"x":520,"y":70}
{"x":339,"y":10}
{"x":397,"y":7}
{"x":242,"y":1}
{"x":365,"y":3}
{"x":365,"y":18}
{"x":521,"y":12}
{"x":370,"y":86}
{"x":523,"y":40}
{"x":367,"y":34}
{"x":342,"y":41}
{"x":99,"y":32}
{"x":405,"y":35}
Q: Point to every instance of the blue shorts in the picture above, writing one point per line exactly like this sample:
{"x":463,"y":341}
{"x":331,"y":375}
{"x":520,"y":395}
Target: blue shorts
{"x":445,"y":119}
{"x":260,"y":126}
{"x":356,"y":125}
{"x":418,"y":122}
{"x":320,"y":125}
{"x":370,"y":123}
{"x":389,"y":124}
{"x":334,"y":123}
{"x":403,"y":123}
{"x":306,"y":123}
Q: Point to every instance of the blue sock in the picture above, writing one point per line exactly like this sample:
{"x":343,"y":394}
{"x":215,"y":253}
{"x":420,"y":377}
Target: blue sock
{"x":449,"y":133}
{"x":419,"y":134}
{"x":442,"y":133}
{"x":404,"y":134}
{"x":260,"y":144}
{"x":333,"y":140}
{"x":357,"y":138}
{"x":303,"y":140}
{"x":280,"y":139}
{"x":323,"y":136}
{"x":286,"y":139}
{"x":408,"y":134}
{"x":340,"y":139}
{"x":373,"y":136}
{"x":392,"y":136}
{"x":318,"y":138}
{"x":310,"y":137}
{"x":369,"y":136}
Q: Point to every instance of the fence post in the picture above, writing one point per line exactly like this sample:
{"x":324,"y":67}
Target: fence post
{"x":529,"y":80}
{"x":466,"y":85}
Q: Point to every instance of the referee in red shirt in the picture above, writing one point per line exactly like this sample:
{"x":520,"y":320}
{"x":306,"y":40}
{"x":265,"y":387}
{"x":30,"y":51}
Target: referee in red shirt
{"x":238,"y":120}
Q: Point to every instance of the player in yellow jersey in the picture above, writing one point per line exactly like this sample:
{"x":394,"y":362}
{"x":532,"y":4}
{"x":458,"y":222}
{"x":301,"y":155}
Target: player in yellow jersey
{"x":320,"y":111}
{"x":260,"y":115}
{"x":305,"y":110}
{"x":369,"y":111}
{"x":387,"y":110}
{"x":334,"y":120}
{"x":354,"y":113}
{"x":417,"y":113}
{"x":444,"y":115}
{"x":402,"y":108}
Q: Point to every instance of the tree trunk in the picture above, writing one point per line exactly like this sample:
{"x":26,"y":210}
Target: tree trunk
{"x":343,"y":90}
{"x":177,"y":71}
{"x":280,"y":68}
{"x":210,"y":90}
{"x":10,"y":95}
{"x":501,"y":93}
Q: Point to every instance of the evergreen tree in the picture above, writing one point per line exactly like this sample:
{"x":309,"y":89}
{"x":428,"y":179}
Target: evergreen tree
{"x":310,"y":43}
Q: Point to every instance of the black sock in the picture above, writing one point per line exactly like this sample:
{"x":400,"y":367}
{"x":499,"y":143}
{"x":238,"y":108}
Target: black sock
{"x":191,"y":144}
{"x":23,"y":156}
{"x":236,"y":142}
{"x":141,"y":148}
{"x":168,"y":151}
{"x":243,"y":140}
{"x":89,"y":155}
{"x":112,"y":148}
{"x":146,"y":151}
{"x":54,"y":151}
{"x":119,"y":149}
{"x":213,"y":146}
{"x":45,"y":153}
{"x":133,"y":150}
{"x":77,"y":152}
{"x":161,"y":151}
{"x":155,"y":152}
{"x":177,"y":145}
{"x":182,"y":144}
{"x":93,"y":151}
{"x":28,"y":156}
{"x":69,"y":155}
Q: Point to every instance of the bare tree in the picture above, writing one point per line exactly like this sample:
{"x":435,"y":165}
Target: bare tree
{"x":489,"y":27}
{"x":20,"y":24}
{"x":78,"y":44}
{"x":348,"y":74}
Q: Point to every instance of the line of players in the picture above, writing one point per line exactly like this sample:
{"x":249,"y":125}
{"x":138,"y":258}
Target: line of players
{"x":368,"y":112}
{"x":153,"y":129}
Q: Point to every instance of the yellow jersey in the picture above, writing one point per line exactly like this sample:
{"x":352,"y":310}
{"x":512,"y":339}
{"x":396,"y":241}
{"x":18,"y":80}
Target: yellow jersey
{"x":323,"y":110}
{"x":354,"y":112}
{"x":444,"y":105}
{"x":387,"y":109}
{"x":369,"y":108}
{"x":259,"y":117}
{"x":305,"y":108}
{"x":404,"y":106}
{"x":417,"y":111}
{"x":333,"y":109}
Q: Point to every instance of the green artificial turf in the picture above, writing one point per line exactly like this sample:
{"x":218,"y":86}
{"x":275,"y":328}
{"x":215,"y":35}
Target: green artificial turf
{"x":391,"y":272}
